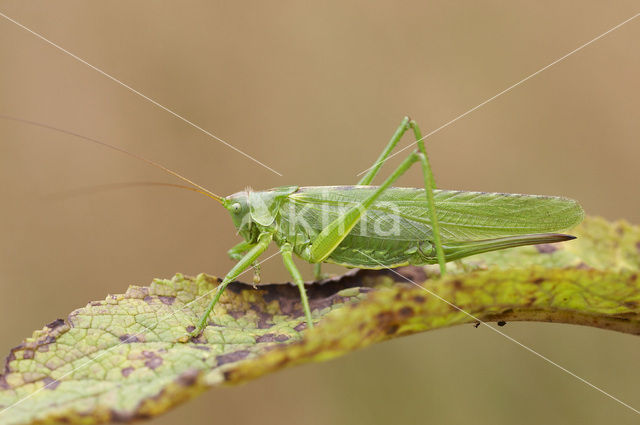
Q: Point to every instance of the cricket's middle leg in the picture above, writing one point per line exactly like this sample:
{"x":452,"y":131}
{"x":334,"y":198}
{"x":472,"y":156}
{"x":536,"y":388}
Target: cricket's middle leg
{"x":297,"y":278}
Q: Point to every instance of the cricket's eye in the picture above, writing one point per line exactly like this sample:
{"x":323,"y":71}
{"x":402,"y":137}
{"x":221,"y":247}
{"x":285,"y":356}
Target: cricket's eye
{"x":236,"y":208}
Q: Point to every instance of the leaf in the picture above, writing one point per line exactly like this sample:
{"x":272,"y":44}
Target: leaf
{"x":117,"y":359}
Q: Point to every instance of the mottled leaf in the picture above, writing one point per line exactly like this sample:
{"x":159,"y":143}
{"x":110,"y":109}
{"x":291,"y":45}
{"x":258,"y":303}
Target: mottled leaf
{"x":118,"y":359}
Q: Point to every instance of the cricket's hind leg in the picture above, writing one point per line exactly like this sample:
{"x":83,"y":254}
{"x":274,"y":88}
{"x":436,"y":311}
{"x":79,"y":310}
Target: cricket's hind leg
{"x":429,"y":187}
{"x":373,"y":171}
{"x":375,"y":168}
{"x":334,"y":234}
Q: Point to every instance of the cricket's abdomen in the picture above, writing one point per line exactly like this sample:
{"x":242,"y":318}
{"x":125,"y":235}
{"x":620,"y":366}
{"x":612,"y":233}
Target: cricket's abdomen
{"x":372,"y":253}
{"x":355,"y":251}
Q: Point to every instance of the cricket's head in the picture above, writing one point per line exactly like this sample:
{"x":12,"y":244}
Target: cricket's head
{"x":238,"y":206}
{"x":252,"y":211}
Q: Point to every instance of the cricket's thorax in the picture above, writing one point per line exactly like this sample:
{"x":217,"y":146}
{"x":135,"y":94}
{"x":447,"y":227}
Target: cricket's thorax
{"x":254,"y":212}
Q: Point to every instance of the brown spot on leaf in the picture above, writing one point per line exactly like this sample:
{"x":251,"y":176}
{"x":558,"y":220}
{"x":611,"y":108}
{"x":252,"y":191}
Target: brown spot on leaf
{"x":631,"y":304}
{"x":231,"y":357}
{"x":27,"y":354}
{"x":384,"y":317}
{"x":11,"y":357}
{"x":271,"y":338}
{"x":202,"y":347}
{"x":47,"y":340}
{"x":166,"y":300}
{"x":411,"y":274}
{"x":121,"y":416}
{"x":300,"y":327}
{"x":264,"y":319}
{"x":188,"y":378}
{"x":127,"y":371}
{"x":419,"y":299}
{"x":200,"y":339}
{"x":154,"y":359}
{"x":546,"y":248}
{"x":322,"y":303}
{"x":457,"y":284}
{"x":405,"y":312}
{"x":288,"y":306}
{"x":50,"y":383}
{"x":638,"y":246}
{"x":128,"y":339}
{"x":538,"y":280}
{"x":392,"y":329}
{"x":236,"y":314}
{"x":56,"y":323}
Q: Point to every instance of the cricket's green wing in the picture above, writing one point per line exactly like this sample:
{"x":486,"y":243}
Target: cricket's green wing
{"x":398,"y":224}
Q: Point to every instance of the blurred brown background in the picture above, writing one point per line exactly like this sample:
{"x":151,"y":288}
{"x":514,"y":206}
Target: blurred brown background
{"x":315,"y":91}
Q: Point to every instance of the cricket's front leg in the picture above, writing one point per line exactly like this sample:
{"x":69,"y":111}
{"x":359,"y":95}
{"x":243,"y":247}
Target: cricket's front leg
{"x":245,"y":262}
{"x":238,"y":251}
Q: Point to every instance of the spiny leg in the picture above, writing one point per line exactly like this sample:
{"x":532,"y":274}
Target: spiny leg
{"x":429,"y":187}
{"x":373,"y":171}
{"x":329,"y":239}
{"x":297,"y":278}
{"x":245,"y":262}
{"x":332,"y":235}
{"x":238,"y":251}
{"x":429,"y":181}
{"x":317,"y":272}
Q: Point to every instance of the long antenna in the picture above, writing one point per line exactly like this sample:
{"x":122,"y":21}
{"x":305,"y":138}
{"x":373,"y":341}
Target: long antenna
{"x":115,"y":186}
{"x":116,"y":148}
{"x":131,"y":89}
